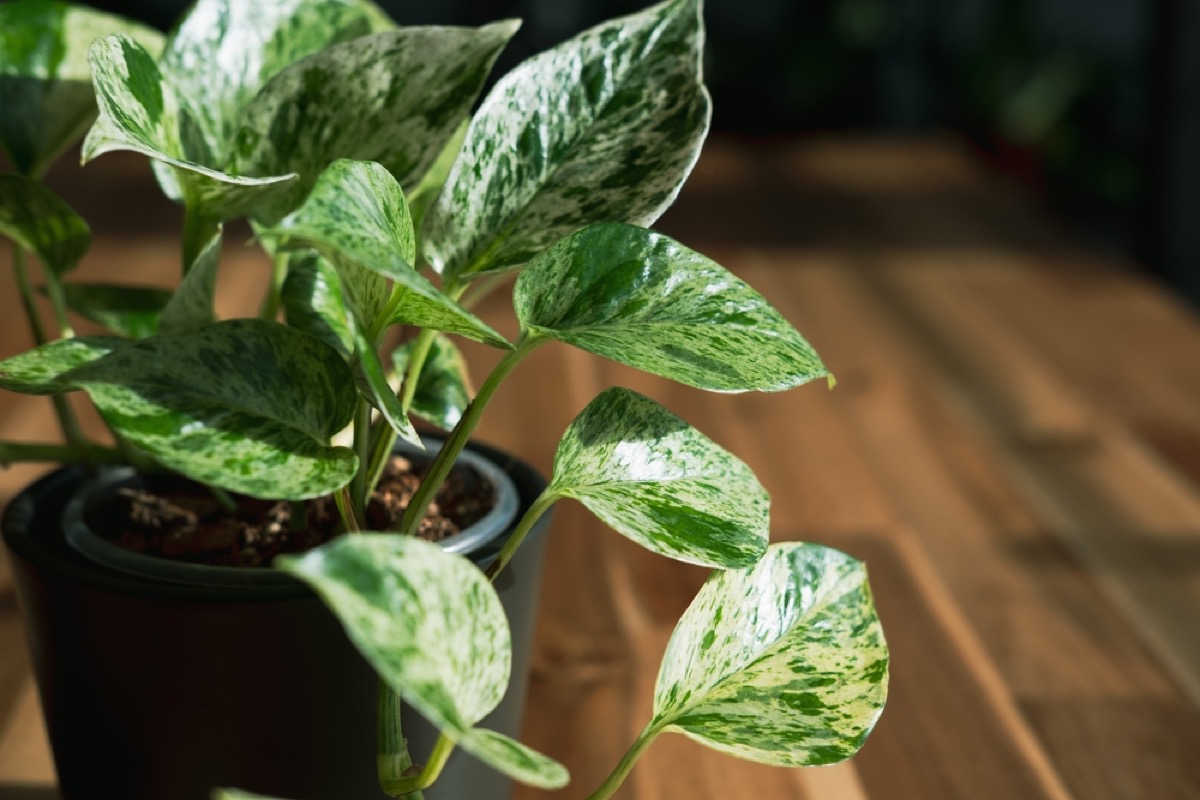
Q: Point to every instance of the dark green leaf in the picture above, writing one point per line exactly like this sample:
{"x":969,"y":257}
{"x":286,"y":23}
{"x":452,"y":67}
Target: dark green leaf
{"x":45,"y":84}
{"x":443,"y":389}
{"x":395,"y":97}
{"x":40,"y":370}
{"x":313,"y":300}
{"x":645,"y":300}
{"x":131,"y":311}
{"x":41,"y":222}
{"x":604,"y":127}
{"x":662,"y":483}
{"x":783,"y":664}
{"x":433,"y":628}
{"x":248,"y":405}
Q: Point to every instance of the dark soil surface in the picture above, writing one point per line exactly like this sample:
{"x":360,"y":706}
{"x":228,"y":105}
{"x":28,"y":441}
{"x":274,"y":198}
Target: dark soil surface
{"x":175,"y":518}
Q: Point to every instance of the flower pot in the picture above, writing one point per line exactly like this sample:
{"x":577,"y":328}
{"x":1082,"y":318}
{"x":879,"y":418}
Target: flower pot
{"x":160,"y":687}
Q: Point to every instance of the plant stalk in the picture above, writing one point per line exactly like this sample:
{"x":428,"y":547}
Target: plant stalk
{"x":198,"y":231}
{"x":14,"y":452}
{"x":535,"y":512}
{"x":271,"y":303}
{"x":25,"y":287}
{"x":359,"y":489}
{"x":621,"y":771}
{"x":393,"y":762}
{"x":461,"y":434}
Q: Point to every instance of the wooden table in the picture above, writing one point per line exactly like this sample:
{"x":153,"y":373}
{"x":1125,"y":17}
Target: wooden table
{"x":1013,"y":446}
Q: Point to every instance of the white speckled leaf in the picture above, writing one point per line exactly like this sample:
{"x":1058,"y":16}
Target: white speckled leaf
{"x":357,"y":218}
{"x":443,"y":387}
{"x":515,"y":759}
{"x":313,"y":301}
{"x":41,"y":222}
{"x":378,"y":392}
{"x":783,"y":664}
{"x":394,"y":97}
{"x":245,"y":404}
{"x":45,"y":83}
{"x":606,"y":126}
{"x":140,"y":111}
{"x":131,"y":311}
{"x":433,"y":628}
{"x":662,"y":483}
{"x":40,"y":370}
{"x":640,"y":298}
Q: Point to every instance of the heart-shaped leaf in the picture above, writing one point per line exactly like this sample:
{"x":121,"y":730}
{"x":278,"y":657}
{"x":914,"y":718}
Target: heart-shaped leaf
{"x":433,"y":628}
{"x":377,"y":390}
{"x":662,"y":483}
{"x":606,"y":126}
{"x":248,"y":405}
{"x":131,"y":311}
{"x":394,"y":97}
{"x":641,"y":298}
{"x":41,"y":222}
{"x":783,"y":664}
{"x":313,"y":300}
{"x":443,"y":388}
{"x":224,"y":51}
{"x":357,"y":218}
{"x":41,"y":370}
{"x":45,"y":83}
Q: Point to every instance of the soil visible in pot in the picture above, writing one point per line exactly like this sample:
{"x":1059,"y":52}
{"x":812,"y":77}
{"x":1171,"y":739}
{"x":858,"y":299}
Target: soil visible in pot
{"x":173,"y":517}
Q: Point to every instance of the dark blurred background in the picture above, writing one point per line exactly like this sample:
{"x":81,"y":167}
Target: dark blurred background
{"x":1087,"y":103}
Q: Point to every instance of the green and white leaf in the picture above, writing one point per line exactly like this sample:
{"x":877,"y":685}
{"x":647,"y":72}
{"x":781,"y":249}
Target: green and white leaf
{"x":41,"y":222}
{"x":606,"y":126}
{"x":140,"y":111}
{"x":424,"y":193}
{"x":642,"y":299}
{"x":224,"y":51}
{"x":443,"y":387}
{"x":783,"y":664}
{"x":379,"y":392}
{"x":394,"y":97}
{"x":41,"y":370}
{"x":45,"y":83}
{"x":357,"y":218}
{"x":433,"y":628}
{"x":247,"y":405}
{"x":313,"y":301}
{"x":130,"y":311}
{"x":660,"y":482}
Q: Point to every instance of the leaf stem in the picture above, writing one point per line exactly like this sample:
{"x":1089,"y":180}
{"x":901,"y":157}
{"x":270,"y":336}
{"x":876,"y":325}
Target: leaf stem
{"x":198,"y":231}
{"x":404,"y":787}
{"x":462,"y":433}
{"x":14,"y":452}
{"x":345,"y":507}
{"x":484,"y":287}
{"x":621,"y":771}
{"x":393,"y":762}
{"x":359,"y":489}
{"x":271,"y":303}
{"x":535,"y":512}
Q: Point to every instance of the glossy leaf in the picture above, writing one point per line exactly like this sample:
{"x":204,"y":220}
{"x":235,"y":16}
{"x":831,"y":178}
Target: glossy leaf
{"x":131,"y":311}
{"x":313,"y":301}
{"x":41,"y":222}
{"x":379,"y":393}
{"x":606,"y":126}
{"x":443,"y":387}
{"x":45,"y":84}
{"x":246,"y":404}
{"x":140,"y":111}
{"x":41,"y":370}
{"x":357,"y":218}
{"x":224,"y":51}
{"x":394,"y":97}
{"x":662,"y":483}
{"x":640,"y":298}
{"x":433,"y":628}
{"x":783,"y":664}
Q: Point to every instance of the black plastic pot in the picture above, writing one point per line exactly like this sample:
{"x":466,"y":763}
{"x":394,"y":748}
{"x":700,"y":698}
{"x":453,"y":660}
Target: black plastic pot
{"x":159,"y":690}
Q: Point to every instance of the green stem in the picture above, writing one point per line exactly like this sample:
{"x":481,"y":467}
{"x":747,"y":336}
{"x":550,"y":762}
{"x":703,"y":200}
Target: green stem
{"x":416,"y":363}
{"x":345,"y":507}
{"x":359,"y":491}
{"x":405,"y":787}
{"x":271,"y":303}
{"x":483,"y":287}
{"x":393,"y":762}
{"x":223,"y":499}
{"x":539,"y":507}
{"x":58,"y":302}
{"x":198,"y":230}
{"x":14,"y":452}
{"x":621,"y":772}
{"x":461,"y":434}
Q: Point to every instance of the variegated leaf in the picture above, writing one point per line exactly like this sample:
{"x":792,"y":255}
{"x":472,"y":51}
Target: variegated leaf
{"x":424,"y":193}
{"x":783,"y":664}
{"x":140,"y":111}
{"x":640,"y":298}
{"x":603,"y":127}
{"x":433,"y":628}
{"x":662,"y":483}
{"x":377,"y":390}
{"x":247,"y":404}
{"x":357,"y":218}
{"x":40,"y":370}
{"x":131,"y":311}
{"x":443,"y":387}
{"x":394,"y":97}
{"x":41,"y":222}
{"x":313,"y":300}
{"x":45,"y":84}
{"x":224,"y":51}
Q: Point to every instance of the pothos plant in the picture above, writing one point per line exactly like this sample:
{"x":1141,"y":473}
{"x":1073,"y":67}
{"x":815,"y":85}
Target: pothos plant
{"x":351,"y":146}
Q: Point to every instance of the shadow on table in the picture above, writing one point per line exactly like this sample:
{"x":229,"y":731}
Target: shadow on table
{"x":27,"y":791}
